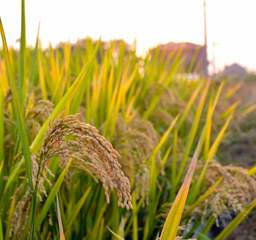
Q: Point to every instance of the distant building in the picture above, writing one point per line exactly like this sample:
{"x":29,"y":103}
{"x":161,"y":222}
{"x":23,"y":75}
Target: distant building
{"x":188,"y":57}
{"x":235,"y":71}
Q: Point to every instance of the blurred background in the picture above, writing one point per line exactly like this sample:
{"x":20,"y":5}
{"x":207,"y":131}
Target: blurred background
{"x":229,"y":24}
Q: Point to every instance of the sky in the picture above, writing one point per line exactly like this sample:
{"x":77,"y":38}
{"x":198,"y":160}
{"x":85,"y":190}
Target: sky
{"x":231,"y":24}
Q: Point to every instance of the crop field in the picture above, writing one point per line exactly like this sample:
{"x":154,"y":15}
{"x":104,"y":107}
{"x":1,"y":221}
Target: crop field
{"x":98,"y":143}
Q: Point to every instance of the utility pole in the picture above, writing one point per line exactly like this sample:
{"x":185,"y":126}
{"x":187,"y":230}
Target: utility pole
{"x":205,"y":58}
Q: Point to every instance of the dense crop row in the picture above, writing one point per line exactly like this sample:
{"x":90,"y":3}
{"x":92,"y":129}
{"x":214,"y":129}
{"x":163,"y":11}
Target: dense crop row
{"x":97,"y":143}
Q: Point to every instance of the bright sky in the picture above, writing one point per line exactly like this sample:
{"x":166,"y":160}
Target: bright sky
{"x":231,"y":24}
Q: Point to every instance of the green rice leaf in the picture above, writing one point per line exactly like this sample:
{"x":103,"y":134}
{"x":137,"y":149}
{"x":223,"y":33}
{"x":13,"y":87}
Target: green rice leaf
{"x":18,"y":110}
{"x":236,"y":221}
{"x":54,"y":191}
{"x":61,"y":231}
{"x":173,"y":219}
{"x":77,"y":208}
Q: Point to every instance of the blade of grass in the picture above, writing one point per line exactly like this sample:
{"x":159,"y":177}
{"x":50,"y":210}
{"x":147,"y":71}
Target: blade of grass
{"x":209,"y":117}
{"x":219,"y":138}
{"x":230,"y":110}
{"x":42,"y":82}
{"x":134,"y":217}
{"x":1,"y":127}
{"x":152,"y":161}
{"x":1,"y":135}
{"x":55,"y":189}
{"x":210,"y":157}
{"x":32,"y":75}
{"x":248,"y":110}
{"x":233,"y":89}
{"x":208,"y":128}
{"x":173,"y":219}
{"x":201,"y":236}
{"x":208,"y":225}
{"x":189,"y":105}
{"x":97,"y":231}
{"x":193,"y":131}
{"x":217,"y":95}
{"x":61,"y":231}
{"x":236,"y":221}
{"x":154,"y":171}
{"x":1,"y":229}
{"x":149,"y":225}
{"x":77,"y":208}
{"x":115,"y":234}
{"x":79,"y":97}
{"x":174,"y":161}
{"x":18,"y":110}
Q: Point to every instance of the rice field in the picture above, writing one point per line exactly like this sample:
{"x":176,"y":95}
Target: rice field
{"x":98,"y":143}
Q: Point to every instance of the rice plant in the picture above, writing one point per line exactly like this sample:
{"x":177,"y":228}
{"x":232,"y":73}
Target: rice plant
{"x":97,"y":143}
